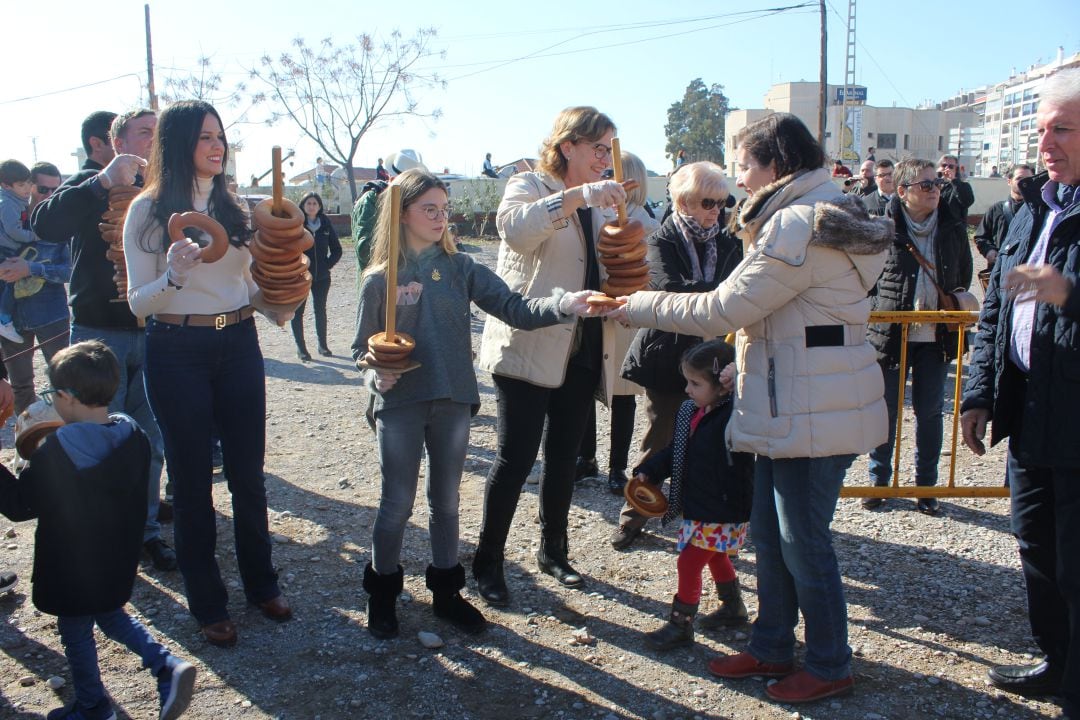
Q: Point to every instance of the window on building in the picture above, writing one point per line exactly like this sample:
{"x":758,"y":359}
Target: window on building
{"x":1028,"y":93}
{"x":1025,"y":125}
{"x":886,"y":141}
{"x":907,"y":142}
{"x":940,"y":143}
{"x":1027,"y":108}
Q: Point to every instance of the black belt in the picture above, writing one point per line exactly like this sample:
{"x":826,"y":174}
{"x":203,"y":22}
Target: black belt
{"x":219,"y":321}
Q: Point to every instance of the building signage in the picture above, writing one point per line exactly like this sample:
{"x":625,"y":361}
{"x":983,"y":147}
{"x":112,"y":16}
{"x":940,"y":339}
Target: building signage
{"x":854,"y":94}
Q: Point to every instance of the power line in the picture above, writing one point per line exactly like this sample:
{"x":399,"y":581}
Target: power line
{"x":759,"y":14}
{"x":71,"y":89}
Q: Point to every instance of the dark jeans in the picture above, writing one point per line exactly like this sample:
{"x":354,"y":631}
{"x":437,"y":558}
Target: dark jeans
{"x":928,"y":372}
{"x":77,"y":636}
{"x":797,"y":570}
{"x":320,"y":289}
{"x":1046,"y":523}
{"x":20,"y":363}
{"x":623,"y":408}
{"x":199,"y":378}
{"x":522,"y":409}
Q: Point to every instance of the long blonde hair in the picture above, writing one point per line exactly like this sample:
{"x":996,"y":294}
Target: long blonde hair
{"x":413,"y":183}
{"x":573,"y":124}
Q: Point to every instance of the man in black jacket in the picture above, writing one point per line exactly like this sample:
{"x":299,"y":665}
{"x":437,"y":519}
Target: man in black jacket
{"x":995,"y":223}
{"x":956,"y":192}
{"x":73,"y":213}
{"x":877,"y":202}
{"x":1025,"y":375}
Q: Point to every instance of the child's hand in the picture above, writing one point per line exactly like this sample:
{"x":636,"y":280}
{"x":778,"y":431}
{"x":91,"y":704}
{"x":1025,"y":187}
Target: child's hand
{"x":727,"y":378}
{"x":642,"y":477}
{"x":409,"y":294}
{"x":384,"y":380}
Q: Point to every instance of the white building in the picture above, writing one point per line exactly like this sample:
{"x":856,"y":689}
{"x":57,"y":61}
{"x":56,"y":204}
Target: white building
{"x":894,"y":132}
{"x":1007,"y":110}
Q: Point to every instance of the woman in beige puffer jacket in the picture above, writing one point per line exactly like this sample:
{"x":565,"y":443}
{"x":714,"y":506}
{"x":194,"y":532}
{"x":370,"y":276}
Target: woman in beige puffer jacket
{"x":808,"y":395}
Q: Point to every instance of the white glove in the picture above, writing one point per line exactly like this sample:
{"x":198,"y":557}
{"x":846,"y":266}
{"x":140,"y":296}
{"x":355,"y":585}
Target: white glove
{"x":121,"y":170}
{"x":606,"y":193}
{"x":385,"y":380}
{"x":573,"y":303}
{"x":181,"y":257}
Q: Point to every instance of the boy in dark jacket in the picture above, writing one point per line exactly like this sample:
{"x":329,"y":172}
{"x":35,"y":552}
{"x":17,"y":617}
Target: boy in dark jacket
{"x":86,"y":485}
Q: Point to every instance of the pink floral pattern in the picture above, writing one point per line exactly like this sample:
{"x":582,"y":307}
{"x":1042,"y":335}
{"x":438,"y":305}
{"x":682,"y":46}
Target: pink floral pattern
{"x":717,"y":537}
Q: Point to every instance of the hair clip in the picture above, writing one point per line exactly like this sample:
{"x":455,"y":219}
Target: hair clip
{"x":716,"y":366}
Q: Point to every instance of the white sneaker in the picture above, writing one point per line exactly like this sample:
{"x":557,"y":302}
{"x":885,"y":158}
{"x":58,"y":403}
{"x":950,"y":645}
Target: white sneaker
{"x":7,"y":330}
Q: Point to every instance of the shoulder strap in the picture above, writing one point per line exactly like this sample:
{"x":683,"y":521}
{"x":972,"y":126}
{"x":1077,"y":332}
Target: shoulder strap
{"x":1006,"y":210}
{"x":931,"y":274}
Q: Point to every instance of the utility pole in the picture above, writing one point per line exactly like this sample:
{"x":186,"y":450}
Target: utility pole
{"x":823,"y":95}
{"x":150,"y":63}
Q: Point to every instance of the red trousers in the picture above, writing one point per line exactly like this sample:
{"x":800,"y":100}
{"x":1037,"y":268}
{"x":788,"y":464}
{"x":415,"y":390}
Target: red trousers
{"x":692,"y":560}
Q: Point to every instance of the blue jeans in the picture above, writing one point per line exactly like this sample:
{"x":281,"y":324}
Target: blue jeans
{"x":442,"y":426}
{"x":794,"y":501}
{"x":1046,"y":523}
{"x":129,"y":346}
{"x":928,"y":372}
{"x":199,"y":378}
{"x":77,"y":636}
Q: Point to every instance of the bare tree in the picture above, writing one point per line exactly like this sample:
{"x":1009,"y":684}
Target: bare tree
{"x":336,"y":94}
{"x":206,"y":84}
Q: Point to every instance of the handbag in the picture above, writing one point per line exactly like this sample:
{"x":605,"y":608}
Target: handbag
{"x":958,"y":299}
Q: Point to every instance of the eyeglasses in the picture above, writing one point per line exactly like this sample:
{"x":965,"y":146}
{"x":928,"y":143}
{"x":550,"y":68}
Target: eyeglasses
{"x":434,"y":212}
{"x":947,"y":166}
{"x":709,"y":203}
{"x":45,"y":190}
{"x":601,"y":151}
{"x":926,"y":185}
{"x":47,"y":395}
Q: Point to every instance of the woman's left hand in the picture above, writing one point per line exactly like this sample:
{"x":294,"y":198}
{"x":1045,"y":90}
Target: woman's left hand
{"x":13,"y":269}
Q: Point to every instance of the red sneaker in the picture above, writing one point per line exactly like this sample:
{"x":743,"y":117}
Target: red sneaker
{"x":804,"y":687}
{"x":744,"y":665}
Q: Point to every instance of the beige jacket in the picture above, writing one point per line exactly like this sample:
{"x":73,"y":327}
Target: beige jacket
{"x":812,"y":256}
{"x":540,"y":251}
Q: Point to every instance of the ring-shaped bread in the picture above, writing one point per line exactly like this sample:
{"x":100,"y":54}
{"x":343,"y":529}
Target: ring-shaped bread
{"x":632,"y":230}
{"x":266,"y":220}
{"x":645,"y":497}
{"x":219,"y":239}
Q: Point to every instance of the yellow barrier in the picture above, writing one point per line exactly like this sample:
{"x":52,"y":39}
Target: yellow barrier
{"x":961,"y":318}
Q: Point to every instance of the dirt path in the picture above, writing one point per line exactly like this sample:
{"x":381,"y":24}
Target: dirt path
{"x":933,"y":601}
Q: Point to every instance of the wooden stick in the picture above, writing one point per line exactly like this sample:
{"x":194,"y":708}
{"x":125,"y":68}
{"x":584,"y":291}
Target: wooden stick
{"x":616,"y":164}
{"x":279,"y":185}
{"x":391,"y":261}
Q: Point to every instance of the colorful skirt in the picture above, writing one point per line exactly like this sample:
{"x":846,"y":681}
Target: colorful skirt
{"x":717,"y":537}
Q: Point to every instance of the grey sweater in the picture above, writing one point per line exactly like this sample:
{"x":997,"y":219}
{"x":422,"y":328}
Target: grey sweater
{"x":441,"y":324}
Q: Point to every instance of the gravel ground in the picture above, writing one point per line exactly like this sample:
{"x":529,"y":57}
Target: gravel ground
{"x":933,"y":601}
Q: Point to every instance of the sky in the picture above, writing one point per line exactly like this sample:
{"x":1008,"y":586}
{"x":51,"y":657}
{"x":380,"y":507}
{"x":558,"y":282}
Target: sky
{"x":508,"y":67}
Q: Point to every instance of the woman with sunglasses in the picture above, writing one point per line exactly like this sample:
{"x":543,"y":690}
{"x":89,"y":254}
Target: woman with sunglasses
{"x":691,"y":252}
{"x":808,"y":394}
{"x":204,"y":369}
{"x":549,"y":222}
{"x":930,"y":231}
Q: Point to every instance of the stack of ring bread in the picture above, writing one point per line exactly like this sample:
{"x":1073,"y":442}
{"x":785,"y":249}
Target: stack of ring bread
{"x":622,"y":253}
{"x":219,"y":237}
{"x":112,"y":231}
{"x":390,"y":354}
{"x":279,"y":265}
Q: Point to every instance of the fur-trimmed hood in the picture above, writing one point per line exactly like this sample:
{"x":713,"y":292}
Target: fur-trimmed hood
{"x":845,"y":224}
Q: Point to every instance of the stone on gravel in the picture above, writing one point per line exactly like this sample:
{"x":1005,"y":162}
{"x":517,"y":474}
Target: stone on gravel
{"x":429,"y":640}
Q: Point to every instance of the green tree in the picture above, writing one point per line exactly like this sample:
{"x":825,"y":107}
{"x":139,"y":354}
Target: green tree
{"x":696,"y":123}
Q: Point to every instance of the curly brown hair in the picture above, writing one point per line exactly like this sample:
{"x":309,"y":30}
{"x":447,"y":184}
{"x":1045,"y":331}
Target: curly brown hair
{"x":574,"y":124}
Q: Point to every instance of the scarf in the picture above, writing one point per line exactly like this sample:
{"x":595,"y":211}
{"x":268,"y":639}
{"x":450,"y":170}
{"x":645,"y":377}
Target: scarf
{"x":926,"y":297}
{"x":693,"y":234}
{"x":315,"y":224}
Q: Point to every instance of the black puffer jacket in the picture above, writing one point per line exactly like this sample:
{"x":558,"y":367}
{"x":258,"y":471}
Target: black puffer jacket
{"x":896,"y":287}
{"x":718,"y":485}
{"x":1046,"y":408}
{"x":326,"y":251}
{"x":653,"y":358}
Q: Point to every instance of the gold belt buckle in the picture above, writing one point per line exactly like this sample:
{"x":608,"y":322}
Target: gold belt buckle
{"x":219,"y":321}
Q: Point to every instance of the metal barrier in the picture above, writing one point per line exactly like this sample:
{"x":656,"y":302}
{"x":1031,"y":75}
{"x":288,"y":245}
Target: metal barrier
{"x":960,"y":318}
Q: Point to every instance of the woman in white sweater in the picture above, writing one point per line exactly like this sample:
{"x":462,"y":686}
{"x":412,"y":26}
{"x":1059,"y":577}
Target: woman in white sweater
{"x":203,"y":362}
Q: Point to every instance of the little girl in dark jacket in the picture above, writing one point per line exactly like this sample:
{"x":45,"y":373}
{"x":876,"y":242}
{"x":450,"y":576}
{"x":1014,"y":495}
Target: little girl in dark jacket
{"x":711,"y":488}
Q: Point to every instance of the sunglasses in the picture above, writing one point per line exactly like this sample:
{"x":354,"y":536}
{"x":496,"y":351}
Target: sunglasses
{"x":709,"y":203}
{"x":46,"y":190}
{"x":926,"y":185}
{"x":947,"y":166}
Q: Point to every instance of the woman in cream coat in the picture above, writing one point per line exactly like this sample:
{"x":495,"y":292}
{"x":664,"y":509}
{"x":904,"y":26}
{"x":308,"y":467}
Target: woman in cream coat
{"x":549,"y":222}
{"x":809,"y":393}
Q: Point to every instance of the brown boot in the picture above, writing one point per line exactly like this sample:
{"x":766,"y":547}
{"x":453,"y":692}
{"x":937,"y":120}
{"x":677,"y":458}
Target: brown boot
{"x":732,"y":611}
{"x":679,"y":630}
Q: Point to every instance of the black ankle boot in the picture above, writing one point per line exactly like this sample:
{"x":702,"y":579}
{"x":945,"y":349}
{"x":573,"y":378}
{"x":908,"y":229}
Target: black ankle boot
{"x":732,"y":610}
{"x":445,"y":586}
{"x":487,"y":568}
{"x":552,"y":559}
{"x":679,"y":630}
{"x":383,"y":591}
